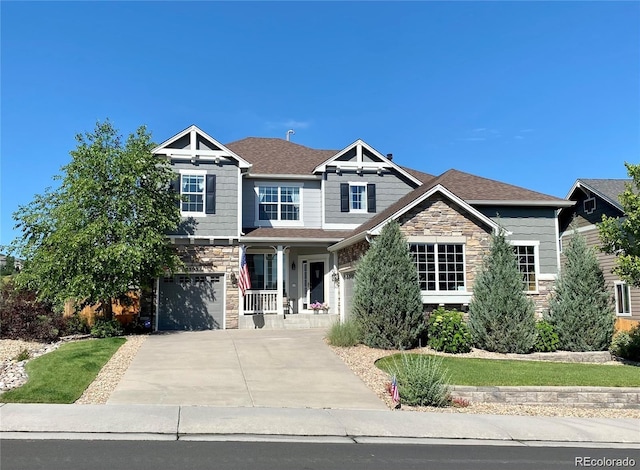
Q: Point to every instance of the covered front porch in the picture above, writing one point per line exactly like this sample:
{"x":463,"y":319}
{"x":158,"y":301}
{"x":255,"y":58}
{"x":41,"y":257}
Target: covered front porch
{"x":292,"y":286}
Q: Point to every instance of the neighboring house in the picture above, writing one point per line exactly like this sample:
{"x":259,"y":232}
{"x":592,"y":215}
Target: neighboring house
{"x":593,"y":199}
{"x":306,"y":216}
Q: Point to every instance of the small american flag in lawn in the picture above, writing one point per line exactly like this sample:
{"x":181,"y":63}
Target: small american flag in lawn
{"x":395,"y":394}
{"x":244,"y":281}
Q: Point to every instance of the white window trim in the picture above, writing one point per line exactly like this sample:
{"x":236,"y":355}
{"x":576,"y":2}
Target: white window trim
{"x":437,"y":291}
{"x":615,"y":291}
{"x":278,"y":222}
{"x":365,"y":208}
{"x":536,"y":259}
{"x":203,"y":173}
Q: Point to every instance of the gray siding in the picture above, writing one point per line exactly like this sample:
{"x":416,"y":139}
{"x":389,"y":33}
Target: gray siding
{"x":582,"y":219}
{"x":311,"y":201}
{"x":530,"y":223}
{"x":225,"y":221}
{"x":389,"y":188}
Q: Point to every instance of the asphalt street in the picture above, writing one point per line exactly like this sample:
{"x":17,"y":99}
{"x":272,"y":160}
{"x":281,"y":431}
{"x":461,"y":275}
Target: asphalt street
{"x":150,"y":455}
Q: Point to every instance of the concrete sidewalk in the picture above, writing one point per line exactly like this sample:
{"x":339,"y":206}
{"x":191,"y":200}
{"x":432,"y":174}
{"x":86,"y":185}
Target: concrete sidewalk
{"x":169,"y":422}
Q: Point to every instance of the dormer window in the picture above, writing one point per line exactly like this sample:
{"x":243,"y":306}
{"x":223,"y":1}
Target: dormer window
{"x":357,"y":197}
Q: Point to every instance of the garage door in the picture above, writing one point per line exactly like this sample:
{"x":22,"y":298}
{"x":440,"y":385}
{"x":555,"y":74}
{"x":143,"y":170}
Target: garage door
{"x":191,"y":302}
{"x":348,"y":278}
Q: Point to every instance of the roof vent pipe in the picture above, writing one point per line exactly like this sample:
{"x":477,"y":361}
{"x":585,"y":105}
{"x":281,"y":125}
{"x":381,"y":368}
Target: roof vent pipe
{"x":390,"y":156}
{"x":290,"y":132}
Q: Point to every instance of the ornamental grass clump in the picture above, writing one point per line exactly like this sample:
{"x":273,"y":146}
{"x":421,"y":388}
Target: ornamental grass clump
{"x":422,"y":380}
{"x":344,"y":334}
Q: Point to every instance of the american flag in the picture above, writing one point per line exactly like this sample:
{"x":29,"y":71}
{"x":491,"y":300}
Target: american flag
{"x":244,"y":281}
{"x":395,"y":394}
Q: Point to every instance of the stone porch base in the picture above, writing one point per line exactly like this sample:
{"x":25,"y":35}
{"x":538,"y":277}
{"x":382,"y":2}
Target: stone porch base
{"x":290,"y":321}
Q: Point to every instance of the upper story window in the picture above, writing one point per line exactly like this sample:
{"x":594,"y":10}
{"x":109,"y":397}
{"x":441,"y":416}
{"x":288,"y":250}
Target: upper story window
{"x":440,"y":266}
{"x":623,"y":299}
{"x":197,"y":191}
{"x":357,"y":197}
{"x":526,"y":256}
{"x":192,"y":191}
{"x":279,"y":203}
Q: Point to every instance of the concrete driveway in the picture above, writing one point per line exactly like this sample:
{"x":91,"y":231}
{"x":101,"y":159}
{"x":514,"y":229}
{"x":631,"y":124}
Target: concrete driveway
{"x":260,"y":368}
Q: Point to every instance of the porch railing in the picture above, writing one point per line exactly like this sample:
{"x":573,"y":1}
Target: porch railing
{"x":261,"y":301}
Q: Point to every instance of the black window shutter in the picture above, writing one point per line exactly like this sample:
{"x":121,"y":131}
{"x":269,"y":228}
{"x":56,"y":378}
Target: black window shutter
{"x":344,"y":197}
{"x":211,"y":194}
{"x":175,"y":187}
{"x":371,"y":197}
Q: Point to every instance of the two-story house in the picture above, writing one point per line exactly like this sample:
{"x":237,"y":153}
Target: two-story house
{"x":594,"y":198}
{"x":305,"y":216}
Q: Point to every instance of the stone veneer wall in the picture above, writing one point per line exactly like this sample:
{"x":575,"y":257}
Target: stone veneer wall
{"x":541,"y":299}
{"x":352,"y":254}
{"x":219,"y":259}
{"x":437,"y":216}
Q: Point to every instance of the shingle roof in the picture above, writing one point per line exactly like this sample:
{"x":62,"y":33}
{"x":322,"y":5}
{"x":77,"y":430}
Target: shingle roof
{"x":467,"y":187}
{"x":610,"y":189}
{"x":293,"y":232}
{"x":271,"y":156}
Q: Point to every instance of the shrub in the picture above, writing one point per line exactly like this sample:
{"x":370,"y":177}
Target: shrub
{"x":22,"y":316}
{"x":626,"y":344}
{"x":106,"y":328}
{"x":387,"y":304}
{"x":344,"y":334}
{"x":23,"y":356}
{"x":447,"y":332}
{"x":547,"y":338}
{"x":501,"y":317}
{"x":76,"y":325}
{"x":422,"y":380}
{"x":137,"y":326}
{"x":581,"y":309}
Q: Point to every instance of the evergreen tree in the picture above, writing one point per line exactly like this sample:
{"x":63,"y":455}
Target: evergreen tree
{"x":581,"y":309}
{"x":387,"y":303}
{"x":501,"y":317}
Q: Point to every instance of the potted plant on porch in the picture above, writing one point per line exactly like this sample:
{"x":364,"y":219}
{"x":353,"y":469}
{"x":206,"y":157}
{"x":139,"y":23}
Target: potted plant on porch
{"x":317,"y":306}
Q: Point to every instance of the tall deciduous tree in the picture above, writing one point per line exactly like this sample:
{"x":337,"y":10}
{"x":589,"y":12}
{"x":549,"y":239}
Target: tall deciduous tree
{"x":386,"y":302}
{"x":581,"y":310}
{"x":501,"y":317}
{"x":622,"y":236}
{"x":102,"y":231}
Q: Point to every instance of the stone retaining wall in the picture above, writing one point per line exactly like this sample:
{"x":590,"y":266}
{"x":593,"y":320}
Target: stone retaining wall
{"x":581,"y":397}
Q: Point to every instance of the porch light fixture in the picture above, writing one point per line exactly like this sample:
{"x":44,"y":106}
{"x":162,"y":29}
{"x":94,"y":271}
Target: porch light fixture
{"x":293,"y":266}
{"x":217,"y":160}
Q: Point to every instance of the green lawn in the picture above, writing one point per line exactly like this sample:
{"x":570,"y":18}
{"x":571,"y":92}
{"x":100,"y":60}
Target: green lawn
{"x":486,"y":372}
{"x":62,"y":375}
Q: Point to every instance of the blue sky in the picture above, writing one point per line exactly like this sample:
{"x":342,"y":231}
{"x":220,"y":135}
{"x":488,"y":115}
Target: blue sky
{"x":535,"y":94}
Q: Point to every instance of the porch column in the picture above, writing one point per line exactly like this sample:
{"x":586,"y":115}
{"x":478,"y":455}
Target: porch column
{"x":280,"y":283}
